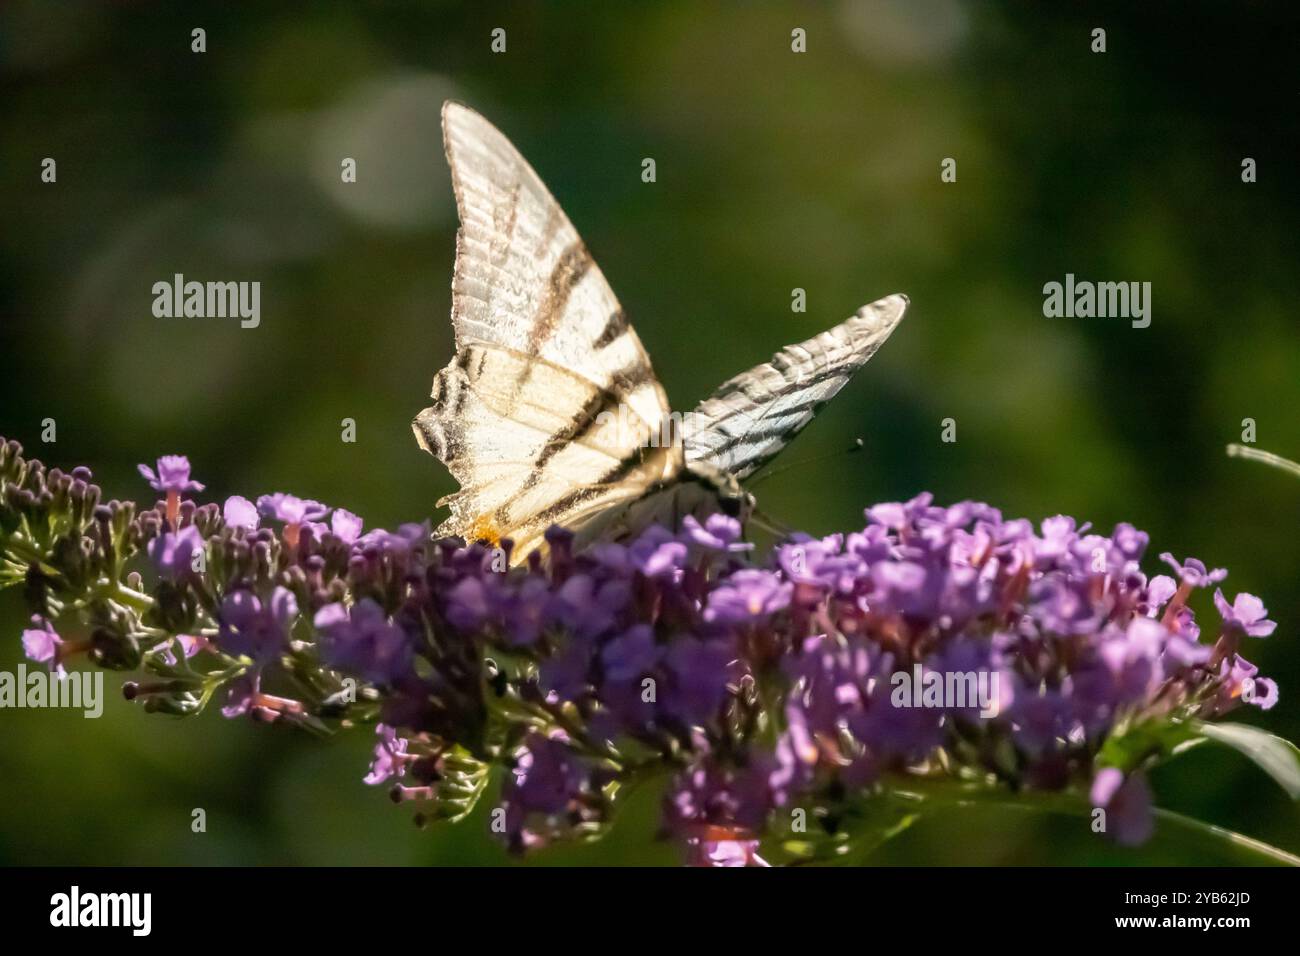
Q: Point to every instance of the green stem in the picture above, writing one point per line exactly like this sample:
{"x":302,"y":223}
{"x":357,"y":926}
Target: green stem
{"x":1268,"y":458}
{"x":941,"y":795}
{"x":124,"y":595}
{"x":22,"y":549}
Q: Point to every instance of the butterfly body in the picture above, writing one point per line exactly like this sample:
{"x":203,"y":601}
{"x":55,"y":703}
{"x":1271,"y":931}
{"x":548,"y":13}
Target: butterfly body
{"x":668,"y":501}
{"x":550,"y":412}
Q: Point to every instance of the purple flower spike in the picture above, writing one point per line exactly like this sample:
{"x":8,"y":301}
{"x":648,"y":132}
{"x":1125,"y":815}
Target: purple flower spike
{"x":940,"y":640}
{"x":1246,"y":613}
{"x":290,"y":509}
{"x":173,"y":474}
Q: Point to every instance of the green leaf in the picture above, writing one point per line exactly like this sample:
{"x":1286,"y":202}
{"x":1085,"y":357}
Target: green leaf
{"x":1133,"y":746}
{"x":1278,"y":758}
{"x":844,"y":833}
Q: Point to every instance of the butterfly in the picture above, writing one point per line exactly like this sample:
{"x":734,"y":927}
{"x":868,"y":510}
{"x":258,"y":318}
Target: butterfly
{"x":550,"y":413}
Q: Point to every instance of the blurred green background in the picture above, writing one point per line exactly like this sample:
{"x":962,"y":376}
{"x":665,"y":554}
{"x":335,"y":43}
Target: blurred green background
{"x":775,"y":171}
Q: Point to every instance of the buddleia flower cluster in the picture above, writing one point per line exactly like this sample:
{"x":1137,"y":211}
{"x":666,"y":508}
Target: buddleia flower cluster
{"x":795,"y":705}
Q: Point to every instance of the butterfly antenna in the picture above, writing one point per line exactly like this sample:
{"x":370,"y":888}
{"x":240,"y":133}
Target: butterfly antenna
{"x":769,"y":524}
{"x":857,"y":446}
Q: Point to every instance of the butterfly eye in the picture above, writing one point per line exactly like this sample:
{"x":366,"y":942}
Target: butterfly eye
{"x":730,"y":507}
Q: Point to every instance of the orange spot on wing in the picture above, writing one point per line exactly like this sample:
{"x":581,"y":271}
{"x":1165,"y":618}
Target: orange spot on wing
{"x":484,"y":529}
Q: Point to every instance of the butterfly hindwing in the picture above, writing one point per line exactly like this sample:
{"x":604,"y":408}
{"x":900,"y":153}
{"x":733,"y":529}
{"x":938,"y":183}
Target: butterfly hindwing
{"x":753,"y":416}
{"x":524,"y":458}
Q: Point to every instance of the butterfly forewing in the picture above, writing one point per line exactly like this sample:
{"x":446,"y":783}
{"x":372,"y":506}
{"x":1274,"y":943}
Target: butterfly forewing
{"x":751,"y":417}
{"x":545,"y":358}
{"x":524,"y":278}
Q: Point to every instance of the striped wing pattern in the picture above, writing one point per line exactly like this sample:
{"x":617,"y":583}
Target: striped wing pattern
{"x":549,"y":412}
{"x":751,"y":417}
{"x":542,"y":350}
